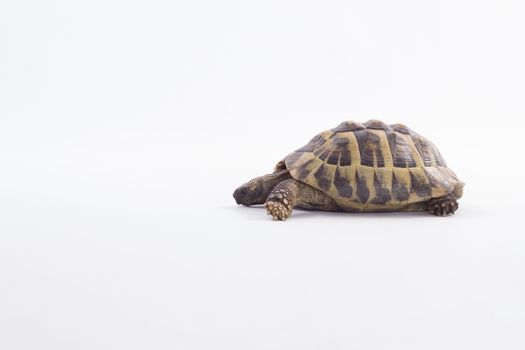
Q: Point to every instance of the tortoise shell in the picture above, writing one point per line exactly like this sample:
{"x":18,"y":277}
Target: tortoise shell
{"x":372,"y":166}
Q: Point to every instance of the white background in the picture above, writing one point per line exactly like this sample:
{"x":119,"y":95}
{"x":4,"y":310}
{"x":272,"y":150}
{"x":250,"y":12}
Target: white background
{"x":125,"y":126}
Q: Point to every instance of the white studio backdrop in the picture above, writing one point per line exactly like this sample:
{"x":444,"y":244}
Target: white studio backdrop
{"x":125,"y":126}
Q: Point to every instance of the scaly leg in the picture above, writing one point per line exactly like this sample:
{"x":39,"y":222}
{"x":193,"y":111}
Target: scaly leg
{"x":443,"y":206}
{"x":290,"y":193}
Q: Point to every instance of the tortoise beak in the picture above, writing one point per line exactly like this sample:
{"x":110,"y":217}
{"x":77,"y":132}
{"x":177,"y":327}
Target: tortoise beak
{"x":237,"y":196}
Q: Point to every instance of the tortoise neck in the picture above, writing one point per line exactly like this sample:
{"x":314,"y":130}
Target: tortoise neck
{"x":273,"y":179}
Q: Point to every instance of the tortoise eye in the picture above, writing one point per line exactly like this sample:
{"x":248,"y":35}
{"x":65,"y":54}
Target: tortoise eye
{"x":243,"y":192}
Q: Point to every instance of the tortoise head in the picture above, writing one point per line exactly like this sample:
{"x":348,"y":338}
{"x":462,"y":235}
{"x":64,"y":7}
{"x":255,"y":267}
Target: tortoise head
{"x":254,"y":191}
{"x":257,"y":190}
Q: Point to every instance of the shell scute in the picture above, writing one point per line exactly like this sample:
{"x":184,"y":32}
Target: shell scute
{"x":348,"y":126}
{"x":373,"y":148}
{"x":401,"y":128}
{"x":429,"y":153}
{"x":376,"y":124}
{"x":402,"y":156}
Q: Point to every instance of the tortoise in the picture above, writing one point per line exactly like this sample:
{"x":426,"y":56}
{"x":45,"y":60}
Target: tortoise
{"x":354,"y":167}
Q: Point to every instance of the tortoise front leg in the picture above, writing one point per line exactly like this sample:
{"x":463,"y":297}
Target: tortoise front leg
{"x":282,"y":199}
{"x":290,"y":193}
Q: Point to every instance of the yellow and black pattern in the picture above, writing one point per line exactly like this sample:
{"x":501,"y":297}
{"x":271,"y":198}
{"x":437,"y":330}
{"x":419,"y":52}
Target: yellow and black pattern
{"x":372,"y":166}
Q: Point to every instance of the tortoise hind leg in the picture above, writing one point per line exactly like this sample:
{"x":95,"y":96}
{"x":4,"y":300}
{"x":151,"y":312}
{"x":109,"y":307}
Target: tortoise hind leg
{"x":443,"y":206}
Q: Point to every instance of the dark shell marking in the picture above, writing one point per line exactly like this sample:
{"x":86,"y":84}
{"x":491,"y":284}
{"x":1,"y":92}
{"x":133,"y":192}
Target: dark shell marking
{"x":362,"y":190}
{"x":382,"y":193}
{"x":344,"y":189}
{"x":346,"y":158}
{"x":323,"y":178}
{"x":304,"y":170}
{"x":399,"y":191}
{"x":419,"y":186}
